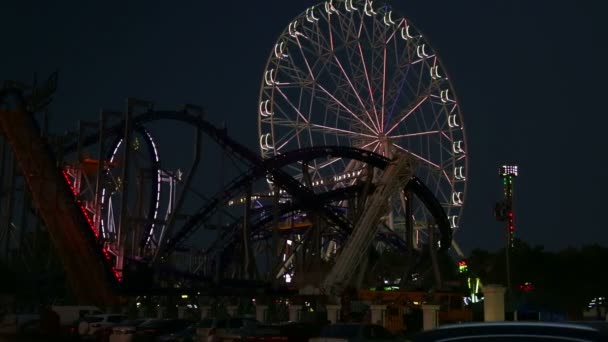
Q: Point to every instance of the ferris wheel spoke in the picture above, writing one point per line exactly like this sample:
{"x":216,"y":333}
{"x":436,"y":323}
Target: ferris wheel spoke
{"x":376,"y":39}
{"x":446,"y":136}
{"x":317,"y":39}
{"x":297,"y":75}
{"x":331,"y":35}
{"x":395,"y":30}
{"x":438,"y":122}
{"x":291,"y":105}
{"x":414,"y":134}
{"x":441,"y":190}
{"x":409,"y":112}
{"x":376,"y":128}
{"x":313,"y":77}
{"x":383,"y":88}
{"x":327,"y":163}
{"x":369,"y":86}
{"x":398,"y":82}
{"x":447,"y":178}
{"x":303,"y":54}
{"x":347,"y":29}
{"x":375,"y":149}
{"x":376,"y":141}
{"x":286,"y":138}
{"x":345,"y":108}
{"x":366,"y":74}
{"x":281,"y":112}
{"x":340,"y":87}
{"x":426,"y":161}
{"x":340,"y":131}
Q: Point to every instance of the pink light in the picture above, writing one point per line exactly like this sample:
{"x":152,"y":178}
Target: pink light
{"x":342,"y":131}
{"x":345,"y":108}
{"x":368,"y":144}
{"x":357,"y":94}
{"x":326,"y":164}
{"x":287,"y":141}
{"x":371,"y":94}
{"x":447,"y":178}
{"x":91,"y":225}
{"x":291,"y":104}
{"x":446,"y":136}
{"x":331,"y":36}
{"x":414,"y":134}
{"x":454,"y":107}
{"x":376,"y":147}
{"x":325,"y":91}
{"x":383,"y":88}
{"x":417,"y":156}
{"x":305,"y":59}
{"x":395,"y":30}
{"x":408,"y":114}
{"x":360,"y":28}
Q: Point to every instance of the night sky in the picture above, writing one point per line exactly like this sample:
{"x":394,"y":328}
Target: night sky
{"x":523,"y":71}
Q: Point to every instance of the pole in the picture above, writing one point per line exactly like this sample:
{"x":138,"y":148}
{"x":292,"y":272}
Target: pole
{"x":124,"y":204}
{"x":505,"y":213}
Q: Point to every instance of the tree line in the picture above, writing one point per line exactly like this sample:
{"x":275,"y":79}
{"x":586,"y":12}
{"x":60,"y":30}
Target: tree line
{"x":565,"y":280}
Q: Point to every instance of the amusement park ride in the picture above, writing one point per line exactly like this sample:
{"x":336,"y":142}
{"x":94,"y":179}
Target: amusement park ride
{"x":362,"y":152}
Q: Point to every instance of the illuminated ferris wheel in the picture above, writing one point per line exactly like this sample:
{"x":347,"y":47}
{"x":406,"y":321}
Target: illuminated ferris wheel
{"x":354,"y":73}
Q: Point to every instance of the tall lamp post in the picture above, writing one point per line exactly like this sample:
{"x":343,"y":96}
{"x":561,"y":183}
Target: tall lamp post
{"x":504,"y":213}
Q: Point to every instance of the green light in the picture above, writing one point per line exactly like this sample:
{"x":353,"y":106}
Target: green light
{"x":462,"y":267}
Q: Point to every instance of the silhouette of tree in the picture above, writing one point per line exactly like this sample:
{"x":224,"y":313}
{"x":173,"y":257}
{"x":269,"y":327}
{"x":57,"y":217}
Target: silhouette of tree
{"x":564,"y":280}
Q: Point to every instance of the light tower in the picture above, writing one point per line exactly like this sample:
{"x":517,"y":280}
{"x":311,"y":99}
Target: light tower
{"x":508,"y":173}
{"x":504,"y":212}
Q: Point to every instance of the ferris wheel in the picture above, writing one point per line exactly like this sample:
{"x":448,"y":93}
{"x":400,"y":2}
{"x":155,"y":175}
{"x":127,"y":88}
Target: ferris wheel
{"x":354,"y":73}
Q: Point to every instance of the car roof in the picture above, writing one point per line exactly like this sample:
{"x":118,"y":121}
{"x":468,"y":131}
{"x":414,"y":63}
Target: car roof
{"x":105,"y":315}
{"x":569,"y":325}
{"x":577,"y":330}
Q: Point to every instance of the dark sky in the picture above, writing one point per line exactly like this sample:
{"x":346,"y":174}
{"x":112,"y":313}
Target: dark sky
{"x":523,"y":71}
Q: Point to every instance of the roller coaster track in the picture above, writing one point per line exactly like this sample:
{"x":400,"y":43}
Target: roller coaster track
{"x":87,"y":268}
{"x":86,"y":262}
{"x":261,"y":167}
{"x":192,"y":115}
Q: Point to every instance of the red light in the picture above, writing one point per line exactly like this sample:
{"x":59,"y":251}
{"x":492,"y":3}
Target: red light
{"x":90,"y":221}
{"x":526,"y":287}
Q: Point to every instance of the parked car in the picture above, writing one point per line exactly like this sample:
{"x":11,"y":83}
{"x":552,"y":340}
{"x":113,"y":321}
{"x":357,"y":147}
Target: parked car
{"x":124,"y":331}
{"x":152,"y":329}
{"x":12,"y":323}
{"x":235,"y":327}
{"x":301,"y":331}
{"x":354,"y":332}
{"x":185,"y":335}
{"x":517,"y":331}
{"x":89,"y":325}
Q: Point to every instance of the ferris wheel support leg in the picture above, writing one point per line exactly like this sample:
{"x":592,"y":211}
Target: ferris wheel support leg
{"x":276,"y":219}
{"x":247,"y":254}
{"x":457,"y":249}
{"x":409,"y":236}
{"x":433,"y":253}
{"x":122,"y":245}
